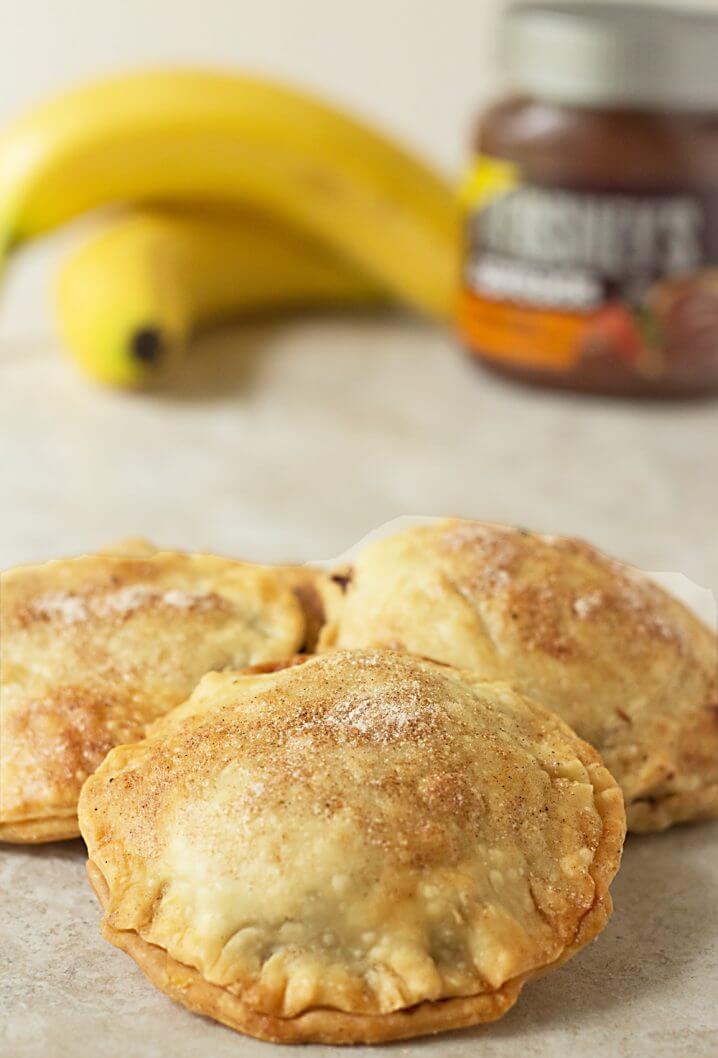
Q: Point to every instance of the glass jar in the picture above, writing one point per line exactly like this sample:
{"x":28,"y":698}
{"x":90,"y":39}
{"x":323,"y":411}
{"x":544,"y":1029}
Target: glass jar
{"x":591,"y":257}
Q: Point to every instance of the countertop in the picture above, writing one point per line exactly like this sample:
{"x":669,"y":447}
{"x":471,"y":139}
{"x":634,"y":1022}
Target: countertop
{"x":293,"y":441}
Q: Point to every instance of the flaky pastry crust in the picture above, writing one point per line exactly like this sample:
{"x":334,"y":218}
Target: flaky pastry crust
{"x":316,"y":591}
{"x":631,"y":669}
{"x":96,"y":648}
{"x":361,"y":847}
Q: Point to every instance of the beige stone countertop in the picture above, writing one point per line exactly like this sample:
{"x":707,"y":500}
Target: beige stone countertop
{"x":291,"y":442}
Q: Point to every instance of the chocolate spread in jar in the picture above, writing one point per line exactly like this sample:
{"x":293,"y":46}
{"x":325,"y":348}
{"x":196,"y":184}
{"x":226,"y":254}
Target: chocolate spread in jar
{"x":591,"y":206}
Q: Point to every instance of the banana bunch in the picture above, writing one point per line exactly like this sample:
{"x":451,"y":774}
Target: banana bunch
{"x":239,"y":195}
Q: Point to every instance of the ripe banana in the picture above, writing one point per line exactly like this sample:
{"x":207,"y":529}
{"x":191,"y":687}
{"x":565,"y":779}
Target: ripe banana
{"x":188,"y":135}
{"x":128,"y":300}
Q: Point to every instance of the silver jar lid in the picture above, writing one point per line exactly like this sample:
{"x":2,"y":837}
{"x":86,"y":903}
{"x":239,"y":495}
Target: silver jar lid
{"x":613,"y":54}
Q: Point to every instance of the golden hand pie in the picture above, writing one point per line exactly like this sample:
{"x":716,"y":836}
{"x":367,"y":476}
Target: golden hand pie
{"x":627,"y":666}
{"x":362,"y":847}
{"x":95,"y":648}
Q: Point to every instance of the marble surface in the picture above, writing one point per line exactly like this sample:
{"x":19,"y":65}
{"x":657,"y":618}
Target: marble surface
{"x":293,"y":441}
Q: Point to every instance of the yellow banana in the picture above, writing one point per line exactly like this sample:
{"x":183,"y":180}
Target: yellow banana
{"x":128,"y":300}
{"x":198,"y":136}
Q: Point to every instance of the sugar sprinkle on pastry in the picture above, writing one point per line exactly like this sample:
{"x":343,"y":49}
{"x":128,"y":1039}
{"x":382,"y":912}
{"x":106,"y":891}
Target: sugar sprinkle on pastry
{"x":96,"y":648}
{"x":630,"y":668}
{"x":363,"y":846}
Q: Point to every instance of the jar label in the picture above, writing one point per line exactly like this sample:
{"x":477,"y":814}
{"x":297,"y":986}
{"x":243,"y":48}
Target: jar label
{"x":565,"y":280}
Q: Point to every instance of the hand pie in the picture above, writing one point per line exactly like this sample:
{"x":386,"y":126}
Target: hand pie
{"x":628,"y":667}
{"x":363,"y":847}
{"x":95,"y":648}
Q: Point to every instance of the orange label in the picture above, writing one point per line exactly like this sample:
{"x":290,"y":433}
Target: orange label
{"x":520,"y":334}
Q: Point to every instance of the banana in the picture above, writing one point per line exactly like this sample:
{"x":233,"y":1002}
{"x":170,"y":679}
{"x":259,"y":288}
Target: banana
{"x":198,"y":136}
{"x":128,"y":300}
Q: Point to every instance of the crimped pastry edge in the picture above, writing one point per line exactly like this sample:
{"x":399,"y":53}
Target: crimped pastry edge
{"x":691,"y":806}
{"x":186,"y":986}
{"x":37,"y":831}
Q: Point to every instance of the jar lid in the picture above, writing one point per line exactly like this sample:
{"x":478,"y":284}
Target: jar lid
{"x":633,"y":55}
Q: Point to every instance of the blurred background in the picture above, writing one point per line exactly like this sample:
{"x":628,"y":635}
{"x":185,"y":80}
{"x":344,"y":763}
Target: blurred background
{"x":421,"y":72}
{"x":292,"y":439}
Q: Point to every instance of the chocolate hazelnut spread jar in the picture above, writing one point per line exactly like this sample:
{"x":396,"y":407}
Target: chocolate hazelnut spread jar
{"x":591,"y":258}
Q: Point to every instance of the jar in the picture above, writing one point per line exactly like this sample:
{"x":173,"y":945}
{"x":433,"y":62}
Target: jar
{"x":591,"y":250}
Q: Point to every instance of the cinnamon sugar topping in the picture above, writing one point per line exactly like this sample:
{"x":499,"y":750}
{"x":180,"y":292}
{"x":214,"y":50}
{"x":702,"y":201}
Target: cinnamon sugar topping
{"x":75,"y":608}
